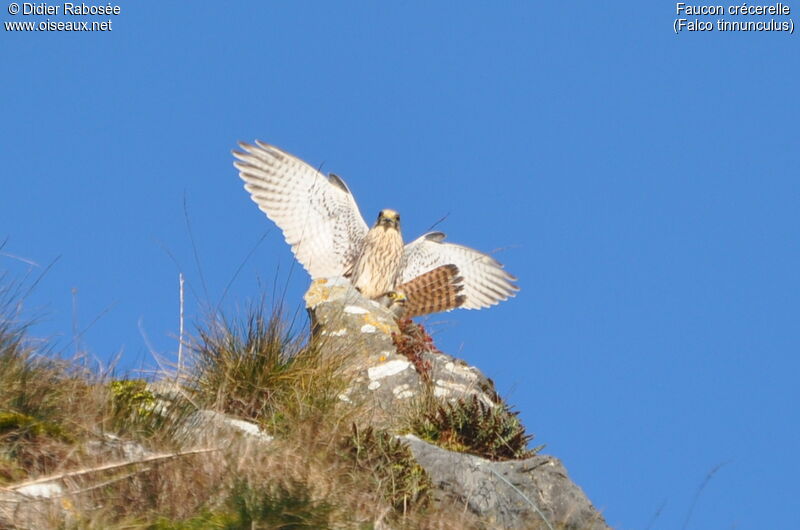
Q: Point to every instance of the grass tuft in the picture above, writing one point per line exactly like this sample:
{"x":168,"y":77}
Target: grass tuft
{"x":116,"y":447}
{"x":248,"y":506}
{"x":471,"y":426}
{"x":390,"y":465}
{"x":257,"y":370}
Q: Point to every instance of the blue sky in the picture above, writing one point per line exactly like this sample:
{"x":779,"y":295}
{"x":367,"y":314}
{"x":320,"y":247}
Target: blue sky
{"x":642,"y":185}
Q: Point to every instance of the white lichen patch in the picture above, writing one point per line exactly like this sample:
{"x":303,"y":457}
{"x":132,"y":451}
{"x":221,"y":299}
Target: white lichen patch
{"x":401,"y":388}
{"x":451,"y":386}
{"x":387,"y":369}
{"x":403,"y":391}
{"x":453,"y":391}
{"x":441,"y":392}
{"x":368,"y":328}
{"x":355,"y":310}
{"x":250,"y":429}
{"x":345,"y":396}
{"x":45,"y":490}
{"x":337,"y":333}
{"x":374,"y":385}
{"x":487,"y":400}
{"x":465,"y":372}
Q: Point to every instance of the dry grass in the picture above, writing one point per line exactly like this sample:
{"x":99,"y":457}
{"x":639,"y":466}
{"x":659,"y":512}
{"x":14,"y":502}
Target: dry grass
{"x":65,"y":424}
{"x":47,"y":408}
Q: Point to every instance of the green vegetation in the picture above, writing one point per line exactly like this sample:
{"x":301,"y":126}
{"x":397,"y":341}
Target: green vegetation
{"x":491,"y":431}
{"x":258,"y":371}
{"x":390,"y":466}
{"x":47,"y":407}
{"x":472,"y":426}
{"x":118,"y":448}
{"x":286,"y":507}
{"x":126,"y":452}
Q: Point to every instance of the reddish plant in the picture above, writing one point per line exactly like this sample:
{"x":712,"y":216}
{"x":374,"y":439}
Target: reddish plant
{"x":412,"y":342}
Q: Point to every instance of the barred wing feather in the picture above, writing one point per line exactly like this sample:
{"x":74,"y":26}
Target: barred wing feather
{"x":318,"y":215}
{"x":485,"y":281}
{"x":434,"y":291}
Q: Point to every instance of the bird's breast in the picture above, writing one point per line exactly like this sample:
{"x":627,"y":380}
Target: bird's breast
{"x":377,"y":268}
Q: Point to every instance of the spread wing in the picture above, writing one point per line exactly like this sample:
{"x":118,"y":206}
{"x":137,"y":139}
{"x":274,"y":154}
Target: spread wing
{"x":318,"y":215}
{"x":434,"y":291}
{"x":485,"y":282}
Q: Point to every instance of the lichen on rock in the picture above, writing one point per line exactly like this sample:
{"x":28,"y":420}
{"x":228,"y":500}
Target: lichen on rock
{"x":397,"y":374}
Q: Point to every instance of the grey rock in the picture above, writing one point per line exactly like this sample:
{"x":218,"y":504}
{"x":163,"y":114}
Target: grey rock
{"x":207,"y":428}
{"x":201,"y":428}
{"x":111,"y":447}
{"x":32,"y":508}
{"x":531,"y":493}
{"x":35,"y":504}
{"x":359,"y":332}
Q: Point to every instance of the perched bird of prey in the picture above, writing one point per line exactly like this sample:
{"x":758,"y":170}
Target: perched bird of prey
{"x":321,"y":222}
{"x":377,"y":267}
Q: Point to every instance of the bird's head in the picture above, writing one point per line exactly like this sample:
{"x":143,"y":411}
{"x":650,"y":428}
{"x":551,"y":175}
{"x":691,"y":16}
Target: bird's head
{"x":397,"y":297}
{"x":388,"y":219}
{"x":396,"y":302}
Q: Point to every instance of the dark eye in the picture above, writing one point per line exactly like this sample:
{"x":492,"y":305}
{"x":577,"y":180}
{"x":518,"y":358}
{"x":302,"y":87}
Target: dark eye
{"x":397,"y":218}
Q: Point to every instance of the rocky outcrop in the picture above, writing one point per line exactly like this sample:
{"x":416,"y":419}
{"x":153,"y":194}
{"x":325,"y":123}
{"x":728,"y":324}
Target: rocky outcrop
{"x":531,"y":493}
{"x":207,"y":428}
{"x":360,"y":332}
{"x":37,"y":503}
{"x":390,"y":370}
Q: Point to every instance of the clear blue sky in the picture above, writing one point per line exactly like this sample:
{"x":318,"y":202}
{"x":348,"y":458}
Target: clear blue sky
{"x":642,"y":185}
